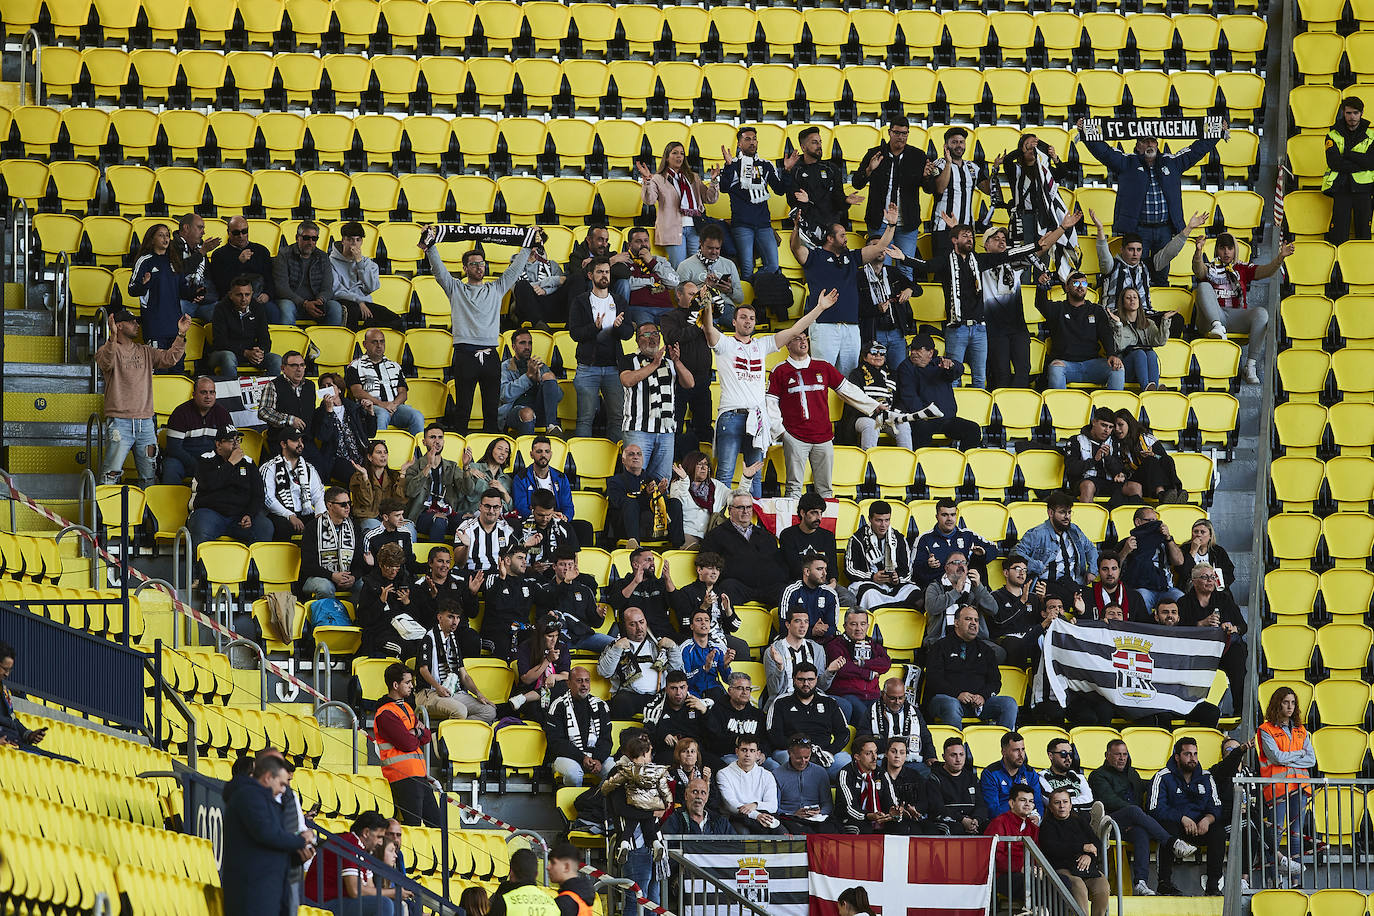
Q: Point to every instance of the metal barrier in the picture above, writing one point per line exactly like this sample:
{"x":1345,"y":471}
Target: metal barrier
{"x":98,"y":327}
{"x":62,"y":304}
{"x":700,"y":892}
{"x":21,"y":215}
{"x":1301,"y":841}
{"x":160,"y":689}
{"x":1109,"y":837}
{"x":37,"y":66}
{"x":352,"y":721}
{"x":256,"y":651}
{"x":1036,"y":889}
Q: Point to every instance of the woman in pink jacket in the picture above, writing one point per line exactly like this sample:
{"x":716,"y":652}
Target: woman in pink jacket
{"x":680,"y":198}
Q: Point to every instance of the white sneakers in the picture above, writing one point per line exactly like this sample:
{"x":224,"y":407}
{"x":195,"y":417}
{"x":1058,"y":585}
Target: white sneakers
{"x":1218,"y":331}
{"x":1183,"y":850}
{"x":1293,"y":866}
{"x":1143,"y":890}
{"x":1249,"y":375}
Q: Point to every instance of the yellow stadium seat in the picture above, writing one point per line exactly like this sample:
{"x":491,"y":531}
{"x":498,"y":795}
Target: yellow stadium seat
{"x":523,"y":747}
{"x":1355,"y":322}
{"x":895,"y":469}
{"x":1016,"y":32}
{"x":466,"y":744}
{"x":1061,"y":34}
{"x":1313,"y":107}
{"x":1303,"y":374}
{"x":876,"y":29}
{"x":1340,"y":752}
{"x":689,"y":28}
{"x":406,"y":21}
{"x":1288,"y":649}
{"x":548,"y":24}
{"x":132,"y":186}
{"x":1349,"y":538}
{"x":1069,"y":410}
{"x":493,"y":78}
{"x":1106,"y":34}
{"x":916,"y":86}
{"x":1279,"y":903}
{"x":1297,"y":481}
{"x":1291,"y":593}
{"x":57,"y":232}
{"x":1345,"y":652}
{"x":1352,"y":427}
{"x":1300,"y":427}
{"x":1218,"y":362}
{"x":1306,"y":320}
{"x":968,"y":32}
{"x":1041,"y":470}
{"x":1293,"y":539}
{"x":1318,"y":55}
{"x":1350,"y":482}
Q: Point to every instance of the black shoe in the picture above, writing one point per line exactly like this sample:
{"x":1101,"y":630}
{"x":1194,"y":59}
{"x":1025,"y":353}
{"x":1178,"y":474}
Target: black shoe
{"x":1168,"y":889}
{"x":1212,"y":890}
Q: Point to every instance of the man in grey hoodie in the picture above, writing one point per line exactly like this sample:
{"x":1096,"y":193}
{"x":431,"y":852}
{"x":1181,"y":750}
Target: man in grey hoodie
{"x":476,"y":329}
{"x":356,"y":278}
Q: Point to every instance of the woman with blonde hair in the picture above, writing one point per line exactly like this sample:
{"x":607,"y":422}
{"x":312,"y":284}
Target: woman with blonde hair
{"x":680,"y":197}
{"x":1203,"y":548}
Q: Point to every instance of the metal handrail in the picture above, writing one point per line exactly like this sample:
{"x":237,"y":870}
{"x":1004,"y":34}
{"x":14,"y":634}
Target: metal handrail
{"x":161,"y":687}
{"x":699,"y":874}
{"x":95,"y":441}
{"x":424,"y":720}
{"x":98,"y":327}
{"x":262,"y":666}
{"x":1110,"y":826}
{"x":352,"y":721}
{"x":95,"y":556}
{"x":228,"y":622}
{"x":37,"y":65}
{"x":86,"y":496}
{"x":327,"y":689}
{"x":19,"y":263}
{"x":165,"y":586}
{"x":183,"y":533}
{"x":61,"y":311}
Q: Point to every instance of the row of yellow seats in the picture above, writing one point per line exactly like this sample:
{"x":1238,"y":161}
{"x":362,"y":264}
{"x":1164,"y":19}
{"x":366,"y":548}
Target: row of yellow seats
{"x":1320,"y":55}
{"x":1291,"y":594}
{"x":1310,"y":268}
{"x":1302,"y":428}
{"x":1296,"y":537}
{"x":1307,"y":320}
{"x":1313,"y":108}
{"x":1297,"y":481}
{"x":37,"y":875}
{"x":1327,"y":902}
{"x":97,"y":748}
{"x":1303,"y":374}
{"x":82,"y":608}
{"x":88,"y":788}
{"x":31,"y":556}
{"x":1289,"y":647}
{"x":230,"y":730}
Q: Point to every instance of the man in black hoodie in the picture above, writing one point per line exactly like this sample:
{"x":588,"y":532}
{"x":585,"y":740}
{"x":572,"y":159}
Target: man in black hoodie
{"x":1078,"y":328}
{"x":957,"y":806}
{"x":807,"y":711}
{"x":1349,"y":178}
{"x":576,"y":896}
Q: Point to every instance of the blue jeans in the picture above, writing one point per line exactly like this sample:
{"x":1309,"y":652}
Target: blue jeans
{"x":543,"y":400}
{"x":1142,"y":366}
{"x":284,"y":311}
{"x":207,"y":524}
{"x":596,"y":642}
{"x":749,"y":239}
{"x":591,"y":381}
{"x":642,"y":313}
{"x":179,"y":461}
{"x":125,"y":435}
{"x":434,"y":526}
{"x":684,"y":249}
{"x":855,"y":708}
{"x":837,"y":344}
{"x":1139,"y":828}
{"x":1152,"y":598}
{"x":963,"y":340}
{"x":639,"y":868}
{"x":658,"y":452}
{"x":405,"y":417}
{"x":224,"y":364}
{"x":1155,"y":238}
{"x":842,"y":760}
{"x":999,"y":710}
{"x":1059,"y":373}
{"x":202,"y":311}
{"x":730,"y":441}
{"x":905,"y":239}
{"x":896,"y":348}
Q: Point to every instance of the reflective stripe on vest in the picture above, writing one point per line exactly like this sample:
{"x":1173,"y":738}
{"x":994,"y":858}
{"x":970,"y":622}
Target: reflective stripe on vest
{"x":528,"y":900}
{"x":1365,"y":177}
{"x":1287,"y":744}
{"x":398,"y":764}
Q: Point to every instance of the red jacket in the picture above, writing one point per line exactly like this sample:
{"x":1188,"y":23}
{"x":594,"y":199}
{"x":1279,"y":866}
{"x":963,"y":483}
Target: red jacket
{"x":862,"y":679}
{"x":1011,"y":857}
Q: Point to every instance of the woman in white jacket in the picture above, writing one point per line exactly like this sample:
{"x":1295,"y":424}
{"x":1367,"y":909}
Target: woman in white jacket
{"x":700,"y":496}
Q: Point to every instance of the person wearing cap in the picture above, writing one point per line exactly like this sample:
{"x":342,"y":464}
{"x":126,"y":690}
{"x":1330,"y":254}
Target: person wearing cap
{"x":925,"y":388}
{"x":227,"y":494}
{"x":816,"y":188}
{"x":356,"y":279}
{"x":1091,"y":464}
{"x":304,"y":281}
{"x":1082,"y":342}
{"x":804,"y":799}
{"x":240,"y":334}
{"x":130,"y":422}
{"x":834,"y":266}
{"x":1222,"y":290}
{"x":893,"y":172}
{"x":1008,"y":350}
{"x":191,"y":431}
{"x":951,"y":187}
{"x":885,"y":318}
{"x":1149,"y":190}
{"x":749,"y":178}
{"x":1129,"y":268}
{"x":293,"y":490}
{"x":877,"y":378}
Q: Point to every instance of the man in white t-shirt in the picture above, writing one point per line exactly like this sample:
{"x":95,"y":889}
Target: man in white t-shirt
{"x":742,"y":422}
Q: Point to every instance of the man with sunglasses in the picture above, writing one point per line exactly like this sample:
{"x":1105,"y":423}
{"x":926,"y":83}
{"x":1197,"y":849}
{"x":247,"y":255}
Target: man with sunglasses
{"x":1078,"y":329}
{"x":329,"y":549}
{"x":243,"y":258}
{"x":304,"y":282}
{"x":1061,"y":775}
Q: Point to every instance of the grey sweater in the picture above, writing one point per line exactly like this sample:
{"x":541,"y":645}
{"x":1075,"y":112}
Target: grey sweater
{"x":477,"y":309}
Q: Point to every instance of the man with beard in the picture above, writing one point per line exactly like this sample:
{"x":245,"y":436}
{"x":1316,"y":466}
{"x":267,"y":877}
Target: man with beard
{"x":804,"y":801}
{"x":293,"y":491}
{"x":1109,"y":589}
{"x":925,"y":387}
{"x":529,"y":390}
{"x":1184,"y":800}
{"x":780,"y":660}
{"x":748,"y":178}
{"x":598,"y":323}
{"x":675,"y":713}
{"x":651,"y":593}
{"x":681,"y":328}
{"x":896,"y":172}
{"x":511,"y":597}
{"x":812,"y":596}
{"x":951,"y":188}
{"x":957,"y":802}
{"x":439,"y":585}
{"x":709,"y":269}
{"x":636,"y":664}
{"x":1008,"y":363}
{"x":816,"y":187}
{"x":878,"y":563}
{"x":1016,"y":602}
{"x":648,"y":291}
{"x":1222,"y":289}
{"x":807,"y":711}
{"x":1082,"y":345}
{"x":896,"y":717}
{"x":1057,"y":551}
{"x":578,"y":725}
{"x":651,"y":377}
{"x":935,"y":546}
{"x":867,"y":801}
{"x":1149,"y":557}
{"x":962,"y":677}
{"x":1091,"y":465}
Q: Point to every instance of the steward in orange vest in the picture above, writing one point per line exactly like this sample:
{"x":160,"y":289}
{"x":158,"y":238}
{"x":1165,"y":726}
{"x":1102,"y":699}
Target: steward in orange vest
{"x":1284,"y":747}
{"x":400,"y":744}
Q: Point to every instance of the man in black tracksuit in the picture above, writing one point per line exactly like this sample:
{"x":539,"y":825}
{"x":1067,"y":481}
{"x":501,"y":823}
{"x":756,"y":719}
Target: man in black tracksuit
{"x":807,"y":711}
{"x":1078,"y":328}
{"x":510,"y":597}
{"x":957,"y":806}
{"x":227,"y":494}
{"x":821,"y":182}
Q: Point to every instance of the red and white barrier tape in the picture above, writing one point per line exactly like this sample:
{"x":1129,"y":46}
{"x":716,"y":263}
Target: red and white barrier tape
{"x":180,"y":606}
{"x":591,"y":870}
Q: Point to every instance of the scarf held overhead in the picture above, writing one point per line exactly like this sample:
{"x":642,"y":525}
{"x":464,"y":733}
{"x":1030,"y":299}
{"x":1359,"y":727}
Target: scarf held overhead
{"x":523,"y":236}
{"x":1109,"y":130}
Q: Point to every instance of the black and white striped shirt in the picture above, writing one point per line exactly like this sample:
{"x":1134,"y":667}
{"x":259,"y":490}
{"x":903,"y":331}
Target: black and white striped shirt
{"x":957,"y":197}
{"x":1121,"y":276}
{"x":649,"y":404}
{"x":484,"y":547}
{"x":441,"y":654}
{"x":380,"y":380}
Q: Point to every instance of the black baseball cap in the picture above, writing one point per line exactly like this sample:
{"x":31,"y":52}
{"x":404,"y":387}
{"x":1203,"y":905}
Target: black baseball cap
{"x":923,"y":342}
{"x":227,"y":431}
{"x":124,"y":315}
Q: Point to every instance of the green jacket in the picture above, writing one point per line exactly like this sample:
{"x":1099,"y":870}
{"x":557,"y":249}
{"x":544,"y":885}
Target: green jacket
{"x":1349,"y":159}
{"x":1115,"y":789}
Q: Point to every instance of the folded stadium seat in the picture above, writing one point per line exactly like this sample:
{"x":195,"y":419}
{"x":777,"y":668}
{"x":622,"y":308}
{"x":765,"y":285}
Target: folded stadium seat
{"x":1346,"y":593}
{"x":540,"y":81}
{"x":1239,"y":155}
{"x":1244,"y":34}
{"x":1300,"y":428}
{"x":589,"y":82}
{"x":688,"y":29}
{"x":22,"y":15}
{"x":776,"y":86}
{"x":522,"y":197}
{"x":1355,"y":322}
{"x":1288,"y":650}
{"x":736,"y":26}
{"x":378,"y":194}
{"x":963,"y":91}
{"x":283,"y":135}
{"x":399,"y":240}
{"x":1199,"y":33}
{"x":57,"y":232}
{"x":205,"y":73}
{"x":941,"y":469}
{"x":262,"y":21}
{"x":1296,"y":482}
{"x":827,"y":30}
{"x":1016,"y":412}
{"x":493,"y":78}
{"x":1057,"y":91}
{"x":398,"y":78}
{"x":876,"y":29}
{"x":1352,"y":427}
{"x":1292,"y":593}
{"x":524,"y":141}
{"x":548,"y":22}
{"x":869,"y":87}
{"x":921,"y":33}
{"x":406,"y":23}
{"x":1243,"y":94}
{"x":501,"y":22}
{"x":429,"y":137}
{"x":1310,"y":270}
{"x":989,"y":517}
{"x":132,"y":186}
{"x":1214,"y":414}
{"x":425,"y":196}
{"x":1356,"y":270}
{"x":1069,"y":410}
{"x":1318,"y":56}
{"x":1313,"y":108}
{"x":68,"y":18}
{"x":968,"y":34}
{"x":1105,"y":35}
{"x":187,"y":132}
{"x":76,"y":184}
{"x":39,"y":128}
{"x":350,"y":78}
{"x":1197,"y":473}
{"x":1341,"y":750}
{"x":1358,"y":47}
{"x":91,"y":288}
{"x":1009,"y":90}
{"x":279,"y":193}
{"x":1345,"y":654}
{"x":573,"y":198}
{"x":1196,"y":91}
{"x":310,"y":21}
{"x":277,"y":565}
{"x":445,"y":79}
{"x":1154,"y":37}
{"x":856,"y":139}
{"x":1060,"y":34}
{"x":476,"y":141}
{"x":61,"y":71}
{"x":1149,"y":91}
{"x":1279,"y":903}
{"x":1303,"y":374}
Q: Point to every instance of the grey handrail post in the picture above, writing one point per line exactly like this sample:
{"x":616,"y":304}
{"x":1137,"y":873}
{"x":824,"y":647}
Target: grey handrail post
{"x":21,"y":241}
{"x":228,"y":622}
{"x":86,"y":492}
{"x":95,"y":441}
{"x":262,"y":666}
{"x":166,"y":586}
{"x":321,"y":649}
{"x":1110,"y":826}
{"x":37,"y":66}
{"x":352,"y":720}
{"x":95,"y":557}
{"x":99,"y":324}
{"x":536,"y":839}
{"x":61,"y":312}
{"x":183,"y":533}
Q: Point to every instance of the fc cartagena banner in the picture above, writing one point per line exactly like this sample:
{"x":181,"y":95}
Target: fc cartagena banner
{"x":904,"y":876}
{"x":1115,"y":130}
{"x":771,"y":873}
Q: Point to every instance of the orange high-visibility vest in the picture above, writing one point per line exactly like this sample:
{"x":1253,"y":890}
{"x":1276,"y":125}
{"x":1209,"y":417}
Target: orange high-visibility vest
{"x":396,"y":763}
{"x":1269,"y":770}
{"x":583,"y":909}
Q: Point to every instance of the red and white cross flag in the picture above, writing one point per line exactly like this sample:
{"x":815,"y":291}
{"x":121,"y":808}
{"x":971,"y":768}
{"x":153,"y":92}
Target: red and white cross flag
{"x":904,"y":876}
{"x":779,"y":513}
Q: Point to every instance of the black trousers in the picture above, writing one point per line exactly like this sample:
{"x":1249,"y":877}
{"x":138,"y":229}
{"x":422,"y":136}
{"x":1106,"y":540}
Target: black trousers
{"x":476,"y":367}
{"x":416,"y":804}
{"x":963,"y":434}
{"x":1344,"y":208}
{"x":703,"y":427}
{"x":1214,"y":840}
{"x":1008,"y":358}
{"x":637,"y":522}
{"x":529,"y":306}
{"x":382,"y":317}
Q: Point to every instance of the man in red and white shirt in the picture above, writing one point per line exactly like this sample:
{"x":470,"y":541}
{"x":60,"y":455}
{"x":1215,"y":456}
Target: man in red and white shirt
{"x":799,"y":390}
{"x":332,"y":876}
{"x":742,"y":422}
{"x":1222,"y":290}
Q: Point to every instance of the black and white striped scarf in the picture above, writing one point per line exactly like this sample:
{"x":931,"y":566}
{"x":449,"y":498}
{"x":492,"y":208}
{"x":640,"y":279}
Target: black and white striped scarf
{"x":593,"y":735}
{"x":904,"y":724}
{"x":752,"y":178}
{"x":337,"y":545}
{"x":286,"y":481}
{"x":879,"y":289}
{"x":957,"y":264}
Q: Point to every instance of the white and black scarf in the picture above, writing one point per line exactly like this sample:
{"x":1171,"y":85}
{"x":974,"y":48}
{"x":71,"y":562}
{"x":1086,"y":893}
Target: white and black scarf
{"x":337,"y":546}
{"x":1037,"y":191}
{"x":752,"y":178}
{"x":593,"y":735}
{"x":958,"y":263}
{"x":879,"y":289}
{"x":904,"y":724}
{"x":635,"y":658}
{"x":522,"y":236}
{"x":287,"y":481}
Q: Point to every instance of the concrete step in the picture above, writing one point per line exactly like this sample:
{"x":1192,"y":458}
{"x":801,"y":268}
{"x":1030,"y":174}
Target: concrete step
{"x":47,"y":377}
{"x":28,"y":322}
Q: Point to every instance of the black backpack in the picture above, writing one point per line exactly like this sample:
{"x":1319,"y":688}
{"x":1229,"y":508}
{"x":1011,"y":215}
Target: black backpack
{"x":773,"y":294}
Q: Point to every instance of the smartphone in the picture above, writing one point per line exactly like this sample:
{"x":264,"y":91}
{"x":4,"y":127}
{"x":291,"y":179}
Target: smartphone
{"x":327,"y":391}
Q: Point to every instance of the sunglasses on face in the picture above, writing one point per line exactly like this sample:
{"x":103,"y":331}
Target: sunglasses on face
{"x":308,"y":238}
{"x":238,"y":231}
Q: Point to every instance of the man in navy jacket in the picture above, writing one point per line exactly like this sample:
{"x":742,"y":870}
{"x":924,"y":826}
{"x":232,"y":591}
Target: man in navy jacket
{"x":925,"y":387}
{"x":1149,"y":189}
{"x":256,"y":843}
{"x":1184,"y":799}
{"x":749,"y":178}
